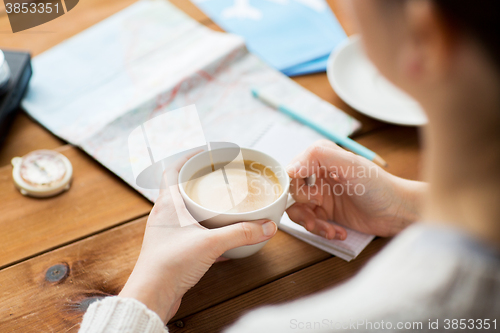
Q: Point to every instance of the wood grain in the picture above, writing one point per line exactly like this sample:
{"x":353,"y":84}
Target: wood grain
{"x":310,"y":280}
{"x":41,"y":38}
{"x":400,"y":147}
{"x":92,"y":218}
{"x":84,"y":15}
{"x":24,"y":136}
{"x":342,"y":11}
{"x":96,"y":200}
{"x":191,"y":10}
{"x":99,"y":266}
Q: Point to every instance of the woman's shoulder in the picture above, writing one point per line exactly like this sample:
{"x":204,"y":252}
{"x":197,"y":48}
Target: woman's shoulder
{"x":440,"y":268}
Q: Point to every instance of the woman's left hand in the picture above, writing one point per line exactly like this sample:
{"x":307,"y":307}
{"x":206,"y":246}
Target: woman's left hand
{"x":177,"y":251}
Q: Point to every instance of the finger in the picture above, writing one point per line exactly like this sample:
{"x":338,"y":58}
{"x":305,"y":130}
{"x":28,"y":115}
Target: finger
{"x":170,"y":200}
{"x":221,"y":259}
{"x":169,"y":193}
{"x":303,"y":193}
{"x":299,"y":190}
{"x":243,"y":233}
{"x":168,"y":179}
{"x":322,"y":158}
{"x":329,"y":230}
{"x":171,"y":210}
{"x":306,"y":217}
{"x":295,"y":164}
{"x":320,"y":213}
{"x":184,"y":159}
{"x":169,"y":189}
{"x":171,"y":172}
{"x":303,"y":215}
{"x":340,"y":232}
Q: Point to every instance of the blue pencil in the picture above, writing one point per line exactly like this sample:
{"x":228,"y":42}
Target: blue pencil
{"x":338,"y":139}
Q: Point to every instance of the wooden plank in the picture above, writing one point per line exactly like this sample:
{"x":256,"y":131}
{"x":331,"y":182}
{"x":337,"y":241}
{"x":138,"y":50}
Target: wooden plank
{"x":400,"y":147}
{"x":97,"y":200}
{"x":97,"y":266}
{"x":84,"y":15}
{"x":312,"y":279}
{"x":283,"y":255}
{"x":341,"y":9}
{"x":100,"y":265}
{"x":24,"y":136}
{"x":192,"y":10}
{"x":43,"y":37}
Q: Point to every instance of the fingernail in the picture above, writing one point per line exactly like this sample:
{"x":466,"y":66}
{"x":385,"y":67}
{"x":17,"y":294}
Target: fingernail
{"x":338,"y":236}
{"x":293,"y":168}
{"x":323,"y":233}
{"x":314,"y":202}
{"x":311,"y":180}
{"x":269,"y":228}
{"x":309,"y":226}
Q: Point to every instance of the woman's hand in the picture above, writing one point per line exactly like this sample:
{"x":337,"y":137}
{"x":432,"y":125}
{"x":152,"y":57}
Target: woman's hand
{"x":177,"y":251}
{"x":351,"y":191}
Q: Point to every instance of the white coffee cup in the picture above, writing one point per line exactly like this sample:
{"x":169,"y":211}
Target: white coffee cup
{"x":212,"y":219}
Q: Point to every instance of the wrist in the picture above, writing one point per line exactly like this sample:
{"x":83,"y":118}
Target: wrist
{"x":152,"y":290}
{"x":411,"y":194}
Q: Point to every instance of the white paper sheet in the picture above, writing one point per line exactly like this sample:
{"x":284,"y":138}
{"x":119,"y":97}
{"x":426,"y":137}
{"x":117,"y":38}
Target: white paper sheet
{"x":95,"y":88}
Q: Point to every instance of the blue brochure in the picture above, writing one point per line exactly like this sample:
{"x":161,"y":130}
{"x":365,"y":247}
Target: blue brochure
{"x":293,"y":36}
{"x":313,"y":66}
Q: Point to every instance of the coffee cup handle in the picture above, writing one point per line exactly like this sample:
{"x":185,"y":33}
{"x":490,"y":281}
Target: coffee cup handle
{"x":310,"y":182}
{"x":290,"y":201}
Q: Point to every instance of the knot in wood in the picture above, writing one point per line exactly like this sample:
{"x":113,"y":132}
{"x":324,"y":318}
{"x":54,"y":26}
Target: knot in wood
{"x":57,"y":272}
{"x":84,"y":305}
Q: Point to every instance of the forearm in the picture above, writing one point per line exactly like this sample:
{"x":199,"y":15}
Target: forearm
{"x":150,"y":288}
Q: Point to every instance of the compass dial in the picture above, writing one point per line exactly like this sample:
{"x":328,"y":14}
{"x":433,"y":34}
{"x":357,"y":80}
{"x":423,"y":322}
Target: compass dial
{"x":42,"y":168}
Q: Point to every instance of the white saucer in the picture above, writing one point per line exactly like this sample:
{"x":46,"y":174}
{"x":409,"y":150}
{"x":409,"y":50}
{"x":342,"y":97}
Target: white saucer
{"x":356,"y":80}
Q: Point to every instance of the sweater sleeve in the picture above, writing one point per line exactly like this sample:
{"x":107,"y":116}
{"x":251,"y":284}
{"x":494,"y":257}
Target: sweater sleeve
{"x":119,"y":315}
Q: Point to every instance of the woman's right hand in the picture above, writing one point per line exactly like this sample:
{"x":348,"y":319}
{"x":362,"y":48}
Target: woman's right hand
{"x":352,"y":191}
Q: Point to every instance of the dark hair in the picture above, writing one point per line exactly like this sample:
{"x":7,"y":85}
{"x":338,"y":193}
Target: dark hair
{"x":480,"y":18}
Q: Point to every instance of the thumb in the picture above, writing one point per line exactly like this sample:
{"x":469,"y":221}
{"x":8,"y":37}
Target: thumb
{"x":244,"y":233}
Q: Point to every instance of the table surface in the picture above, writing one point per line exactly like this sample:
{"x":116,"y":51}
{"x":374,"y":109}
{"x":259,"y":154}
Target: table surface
{"x":58,"y":255}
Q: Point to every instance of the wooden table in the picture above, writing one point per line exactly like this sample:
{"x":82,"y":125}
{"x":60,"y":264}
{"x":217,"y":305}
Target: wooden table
{"x":58,"y":255}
